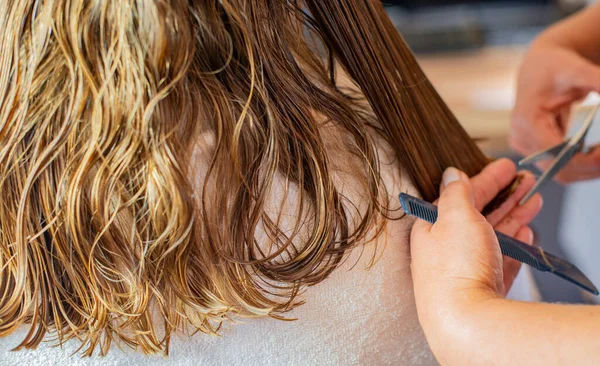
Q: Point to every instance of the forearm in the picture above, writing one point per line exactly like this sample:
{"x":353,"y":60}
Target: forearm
{"x":579,"y":32}
{"x":497,"y":331}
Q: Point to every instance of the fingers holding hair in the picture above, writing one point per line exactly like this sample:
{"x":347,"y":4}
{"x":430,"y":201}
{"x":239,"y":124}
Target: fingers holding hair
{"x":457,"y":198}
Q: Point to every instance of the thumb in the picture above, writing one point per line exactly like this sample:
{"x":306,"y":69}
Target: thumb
{"x":457,"y":198}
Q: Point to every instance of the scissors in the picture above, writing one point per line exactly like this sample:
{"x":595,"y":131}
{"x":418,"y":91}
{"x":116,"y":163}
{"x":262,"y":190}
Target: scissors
{"x":563,"y":152}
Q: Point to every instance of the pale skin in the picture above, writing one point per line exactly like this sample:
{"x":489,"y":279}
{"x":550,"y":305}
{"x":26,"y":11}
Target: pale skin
{"x":560,"y":68}
{"x":460,"y":280}
{"x":459,"y":275}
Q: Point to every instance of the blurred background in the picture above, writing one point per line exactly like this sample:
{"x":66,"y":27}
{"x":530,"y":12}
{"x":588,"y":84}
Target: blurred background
{"x":471,"y":50}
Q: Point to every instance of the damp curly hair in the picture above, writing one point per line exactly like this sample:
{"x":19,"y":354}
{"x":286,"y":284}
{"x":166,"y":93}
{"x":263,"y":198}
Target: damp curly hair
{"x":105,"y":237}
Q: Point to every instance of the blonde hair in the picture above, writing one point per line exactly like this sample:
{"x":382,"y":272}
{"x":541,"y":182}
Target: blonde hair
{"x":101,"y":103}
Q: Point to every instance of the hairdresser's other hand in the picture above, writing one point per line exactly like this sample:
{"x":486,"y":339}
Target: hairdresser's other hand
{"x":457,"y":261}
{"x":552,"y":78}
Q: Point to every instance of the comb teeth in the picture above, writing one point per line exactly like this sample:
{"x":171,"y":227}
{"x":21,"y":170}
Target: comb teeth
{"x":510,"y":247}
{"x":520,"y":255}
{"x":422,"y":212}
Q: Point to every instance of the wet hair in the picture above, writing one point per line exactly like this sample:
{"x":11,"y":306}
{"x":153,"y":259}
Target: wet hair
{"x":103,"y":234}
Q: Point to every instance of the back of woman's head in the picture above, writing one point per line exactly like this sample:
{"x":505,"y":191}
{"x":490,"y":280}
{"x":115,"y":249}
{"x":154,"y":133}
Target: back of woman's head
{"x":103,"y":233}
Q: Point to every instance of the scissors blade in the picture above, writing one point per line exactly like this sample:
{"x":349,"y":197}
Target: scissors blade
{"x":544,"y":154}
{"x":561,"y":160}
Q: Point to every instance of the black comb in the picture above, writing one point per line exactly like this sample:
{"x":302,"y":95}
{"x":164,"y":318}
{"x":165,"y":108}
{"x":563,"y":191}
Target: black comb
{"x":510,"y":247}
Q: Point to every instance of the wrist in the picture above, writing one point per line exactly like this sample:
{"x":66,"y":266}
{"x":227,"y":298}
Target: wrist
{"x":451,"y":324}
{"x":558,"y":36}
{"x":550,"y":39}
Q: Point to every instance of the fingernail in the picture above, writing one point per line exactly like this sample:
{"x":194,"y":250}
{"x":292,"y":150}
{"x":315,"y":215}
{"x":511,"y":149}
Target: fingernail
{"x":531,"y":237}
{"x":450,"y":175}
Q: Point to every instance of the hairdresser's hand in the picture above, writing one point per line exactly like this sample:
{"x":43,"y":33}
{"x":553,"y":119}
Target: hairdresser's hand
{"x":551,"y":79}
{"x":457,"y":261}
